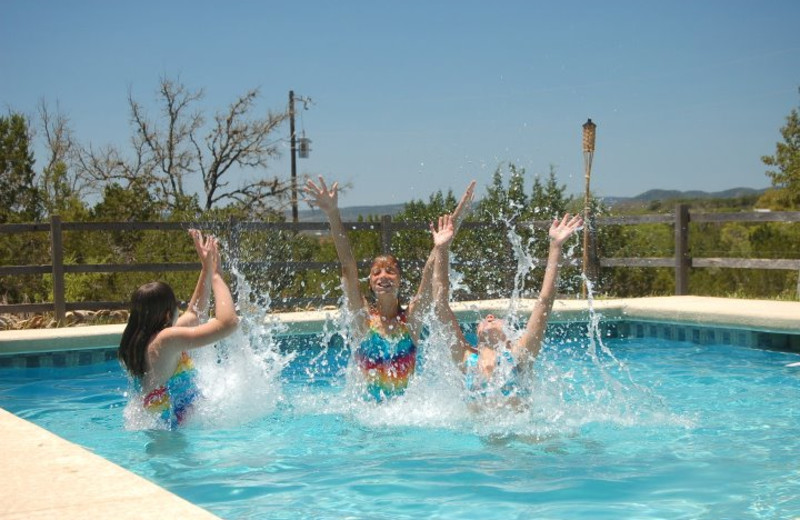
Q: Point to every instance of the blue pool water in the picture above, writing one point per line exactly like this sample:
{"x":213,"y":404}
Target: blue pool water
{"x":636,"y":428}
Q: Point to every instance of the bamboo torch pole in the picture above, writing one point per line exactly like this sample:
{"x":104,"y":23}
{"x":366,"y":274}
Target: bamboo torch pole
{"x":588,"y":153}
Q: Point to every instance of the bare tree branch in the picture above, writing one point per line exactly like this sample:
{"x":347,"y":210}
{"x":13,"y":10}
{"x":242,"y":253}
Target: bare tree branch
{"x":177,"y":145}
{"x":237,"y":141}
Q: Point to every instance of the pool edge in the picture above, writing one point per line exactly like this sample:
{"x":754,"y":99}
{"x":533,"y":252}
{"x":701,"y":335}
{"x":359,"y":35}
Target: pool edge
{"x":765,"y":315}
{"x":46,"y":476}
{"x":54,"y":477}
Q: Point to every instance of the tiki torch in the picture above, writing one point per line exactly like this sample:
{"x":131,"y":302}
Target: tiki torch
{"x":588,"y":153}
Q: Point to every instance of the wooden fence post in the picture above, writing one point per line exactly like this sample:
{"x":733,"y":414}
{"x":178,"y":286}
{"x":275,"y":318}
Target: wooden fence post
{"x":386,"y":234}
{"x":234,"y":238}
{"x":682,"y":259}
{"x":57,"y":260}
{"x":797,"y":290}
{"x":234,"y":247}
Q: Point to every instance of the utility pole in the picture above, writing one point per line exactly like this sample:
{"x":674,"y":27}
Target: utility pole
{"x":295,"y":216}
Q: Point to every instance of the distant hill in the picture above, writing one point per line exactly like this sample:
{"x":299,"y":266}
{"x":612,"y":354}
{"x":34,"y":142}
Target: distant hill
{"x":667,"y":195}
{"x":351,"y":214}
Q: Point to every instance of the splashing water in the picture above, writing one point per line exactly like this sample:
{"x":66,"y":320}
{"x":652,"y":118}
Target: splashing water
{"x":238,"y":379}
{"x":573,"y":383}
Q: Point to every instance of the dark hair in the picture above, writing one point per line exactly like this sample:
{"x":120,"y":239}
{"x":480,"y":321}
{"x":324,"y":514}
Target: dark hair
{"x":152,"y":310}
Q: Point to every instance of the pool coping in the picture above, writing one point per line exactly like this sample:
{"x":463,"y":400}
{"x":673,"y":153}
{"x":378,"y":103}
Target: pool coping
{"x":46,"y":476}
{"x":766,"y":315}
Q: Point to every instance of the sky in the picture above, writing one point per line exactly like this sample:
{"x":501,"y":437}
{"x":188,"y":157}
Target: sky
{"x":413,"y":97}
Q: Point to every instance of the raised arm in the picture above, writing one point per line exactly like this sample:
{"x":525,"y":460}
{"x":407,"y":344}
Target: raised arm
{"x":224,"y":321}
{"x":423,"y":299}
{"x":198,"y":305}
{"x":327,"y":200}
{"x":530,"y":343}
{"x":442,"y":238}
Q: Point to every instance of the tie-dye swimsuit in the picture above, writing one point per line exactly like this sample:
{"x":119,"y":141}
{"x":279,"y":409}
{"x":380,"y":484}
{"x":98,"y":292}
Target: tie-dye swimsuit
{"x":386,"y":362}
{"x":173,"y":400}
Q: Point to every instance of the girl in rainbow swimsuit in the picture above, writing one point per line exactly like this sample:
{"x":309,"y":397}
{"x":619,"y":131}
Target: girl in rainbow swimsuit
{"x":384,"y":333}
{"x":154,"y":344}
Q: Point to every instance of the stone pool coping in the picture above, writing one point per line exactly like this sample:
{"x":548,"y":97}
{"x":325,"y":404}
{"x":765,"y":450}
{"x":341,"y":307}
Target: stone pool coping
{"x":768,"y":315}
{"x":46,"y":476}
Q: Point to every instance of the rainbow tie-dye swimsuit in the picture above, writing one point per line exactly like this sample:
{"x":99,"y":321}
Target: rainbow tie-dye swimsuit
{"x":386,"y":362}
{"x":173,"y":400}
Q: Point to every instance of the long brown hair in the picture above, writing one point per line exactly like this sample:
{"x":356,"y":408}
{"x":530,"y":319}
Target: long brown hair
{"x":153,"y":306}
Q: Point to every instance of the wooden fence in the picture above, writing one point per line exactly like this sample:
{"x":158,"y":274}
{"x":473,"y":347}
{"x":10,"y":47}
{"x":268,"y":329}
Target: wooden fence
{"x":681,"y":261}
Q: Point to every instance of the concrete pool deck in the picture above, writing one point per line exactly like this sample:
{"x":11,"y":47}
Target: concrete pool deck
{"x":48,"y":477}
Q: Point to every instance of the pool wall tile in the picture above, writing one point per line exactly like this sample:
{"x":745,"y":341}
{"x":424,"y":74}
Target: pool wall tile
{"x":713,"y":335}
{"x":567,"y":331}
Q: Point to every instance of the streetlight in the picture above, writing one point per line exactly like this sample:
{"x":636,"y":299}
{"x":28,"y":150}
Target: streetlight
{"x":589,"y":133}
{"x":305,"y":147}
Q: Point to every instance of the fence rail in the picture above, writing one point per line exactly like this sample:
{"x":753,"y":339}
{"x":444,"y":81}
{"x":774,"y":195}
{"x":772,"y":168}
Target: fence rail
{"x":681,"y":262}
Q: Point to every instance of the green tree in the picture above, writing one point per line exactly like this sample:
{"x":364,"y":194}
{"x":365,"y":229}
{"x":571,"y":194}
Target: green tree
{"x":785,"y":192}
{"x":491,"y":259}
{"x":548,"y":200}
{"x":412,"y":246}
{"x":19,"y":200}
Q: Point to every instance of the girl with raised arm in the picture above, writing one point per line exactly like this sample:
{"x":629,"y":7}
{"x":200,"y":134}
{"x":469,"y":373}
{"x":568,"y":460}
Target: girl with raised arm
{"x":384,"y":333}
{"x":494,"y":363}
{"x":155,"y":343}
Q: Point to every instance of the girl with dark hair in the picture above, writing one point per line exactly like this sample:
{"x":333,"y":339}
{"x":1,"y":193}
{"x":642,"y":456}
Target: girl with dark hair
{"x":384,"y":333}
{"x":156,"y":339}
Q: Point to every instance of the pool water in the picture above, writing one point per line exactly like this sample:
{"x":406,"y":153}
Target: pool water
{"x":638,"y":428}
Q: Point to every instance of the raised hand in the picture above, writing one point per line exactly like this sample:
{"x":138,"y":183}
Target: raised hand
{"x":561,"y":230}
{"x":463,"y":204}
{"x":207,"y":249}
{"x":320,"y":196}
{"x":444,"y":233}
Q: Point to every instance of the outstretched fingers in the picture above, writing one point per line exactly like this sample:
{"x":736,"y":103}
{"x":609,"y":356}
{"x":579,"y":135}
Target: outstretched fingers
{"x":207,"y":248}
{"x":320,"y":195}
{"x":444,"y":232}
{"x":562,"y":229}
{"x":574,"y":223}
{"x":464,"y":203}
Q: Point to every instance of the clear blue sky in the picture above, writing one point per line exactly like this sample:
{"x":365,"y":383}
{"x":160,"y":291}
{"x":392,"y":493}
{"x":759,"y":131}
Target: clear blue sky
{"x":416,"y":96}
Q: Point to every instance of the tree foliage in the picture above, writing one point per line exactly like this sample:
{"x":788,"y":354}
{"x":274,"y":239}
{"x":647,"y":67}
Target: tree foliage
{"x":176,"y":148}
{"x":19,"y":199}
{"x":785,"y":163}
{"x":486,"y":260}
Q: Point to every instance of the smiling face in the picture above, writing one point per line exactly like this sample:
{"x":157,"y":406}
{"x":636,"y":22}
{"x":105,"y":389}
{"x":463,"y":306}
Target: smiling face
{"x":384,"y":276}
{"x":491,"y":331}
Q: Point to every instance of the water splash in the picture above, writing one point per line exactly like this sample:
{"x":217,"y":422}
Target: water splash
{"x":575,"y":382}
{"x":238,"y":379}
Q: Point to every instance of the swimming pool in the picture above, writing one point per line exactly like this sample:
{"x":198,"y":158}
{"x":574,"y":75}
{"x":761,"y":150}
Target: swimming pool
{"x":645,"y":428}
